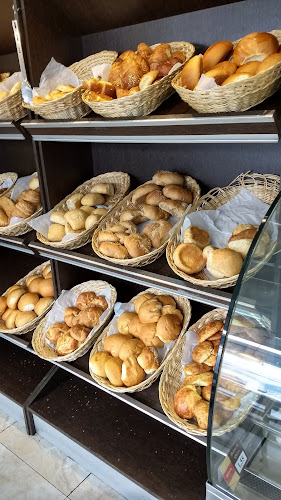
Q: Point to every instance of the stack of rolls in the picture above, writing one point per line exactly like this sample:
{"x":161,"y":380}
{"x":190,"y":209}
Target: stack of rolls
{"x":132,"y":353}
{"x":14,"y":89}
{"x":78,"y":322}
{"x":26,"y":204}
{"x":23,"y":303}
{"x":82,"y":212}
{"x":60,"y":91}
{"x":154,"y":201}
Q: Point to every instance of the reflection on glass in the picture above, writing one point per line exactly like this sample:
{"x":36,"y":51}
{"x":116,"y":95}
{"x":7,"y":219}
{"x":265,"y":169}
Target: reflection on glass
{"x":244,"y":456}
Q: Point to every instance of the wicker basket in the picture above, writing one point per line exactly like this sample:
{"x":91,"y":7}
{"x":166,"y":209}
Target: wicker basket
{"x":29,"y":326}
{"x":237,"y":96}
{"x":144,"y":102}
{"x":265,"y":187}
{"x":114,"y":215}
{"x":121,"y":182}
{"x":8,"y":175}
{"x":20,"y":227}
{"x":11,"y":108}
{"x":184,"y":306}
{"x":71,"y":106}
{"x":44,"y":351}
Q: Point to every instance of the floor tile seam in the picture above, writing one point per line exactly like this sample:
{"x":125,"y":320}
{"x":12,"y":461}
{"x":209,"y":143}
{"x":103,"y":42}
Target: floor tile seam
{"x":8,"y":427}
{"x":79,"y":484}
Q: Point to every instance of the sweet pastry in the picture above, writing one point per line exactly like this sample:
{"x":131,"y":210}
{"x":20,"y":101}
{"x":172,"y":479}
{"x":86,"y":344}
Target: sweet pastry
{"x":255,"y":47}
{"x":157,"y":232}
{"x":206,"y":392}
{"x":197,"y":236}
{"x":97,"y":363}
{"x":215,"y":54}
{"x":66,"y":344}
{"x":113,"y":369}
{"x":209,"y":330}
{"x":23,"y":209}
{"x":184,"y":402}
{"x":150,"y":311}
{"x":69,"y":314}
{"x":148,"y":360}
{"x":189,"y":258}
{"x":168,"y":328}
{"x":113,"y":343}
{"x":132,"y":372}
{"x":79,"y":332}
{"x":224,"y":263}
{"x":7,"y":205}
{"x":30,"y":195}
{"x":137,"y":244}
{"x":191,"y":72}
{"x":100,"y":87}
{"x":173,"y":207}
{"x":131,"y":347}
{"x":55,"y":331}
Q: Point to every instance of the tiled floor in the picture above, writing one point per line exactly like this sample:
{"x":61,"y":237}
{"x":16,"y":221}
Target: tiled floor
{"x":32,"y":469}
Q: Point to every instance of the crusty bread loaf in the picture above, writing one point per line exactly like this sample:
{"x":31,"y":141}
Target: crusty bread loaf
{"x":162,"y":178}
{"x":255,"y":47}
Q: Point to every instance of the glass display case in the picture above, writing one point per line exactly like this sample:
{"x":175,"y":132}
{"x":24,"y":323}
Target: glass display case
{"x":244,"y":435}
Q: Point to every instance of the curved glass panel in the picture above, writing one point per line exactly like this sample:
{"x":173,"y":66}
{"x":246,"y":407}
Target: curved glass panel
{"x":244,"y":452}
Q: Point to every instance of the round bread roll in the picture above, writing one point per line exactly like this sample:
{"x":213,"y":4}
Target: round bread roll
{"x":76,"y":218}
{"x":113,"y":250}
{"x":237,"y":77}
{"x":184,"y":402}
{"x":166,"y":300}
{"x":58,"y":217}
{"x":28,"y":301}
{"x":224,"y":263}
{"x":49,"y":275}
{"x":154,"y":213}
{"x":66,"y":344}
{"x":14,"y":296}
{"x":29,"y":279}
{"x":197,"y":236}
{"x":268,"y":62}
{"x":141,"y":192}
{"x":243,"y":227}
{"x":216,"y":53}
{"x":250,"y":68}
{"x":132,"y":372}
{"x":194,"y":368}
{"x":93,"y":199}
{"x":92,"y":220}
{"x":107,"y":236}
{"x":113,"y":343}
{"x":150,"y":311}
{"x":221,"y":71}
{"x":103,"y":188}
{"x":132,"y":215}
{"x":16,"y":287}
{"x":46,"y":287}
{"x":168,"y":309}
{"x":79,"y":332}
{"x":88,"y":210}
{"x":208,"y":250}
{"x":69,"y":314}
{"x":55,"y":330}
{"x":142,"y":298}
{"x":202,"y":351}
{"x":34,"y":183}
{"x":154,"y":198}
{"x":3,"y":305}
{"x":157,"y":232}
{"x":177,"y":193}
{"x":255,"y":47}
{"x":162,"y":178}
{"x":147,"y":333}
{"x":173,"y":207}
{"x":201,"y":412}
{"x":131,"y":347}
{"x":56,"y":232}
{"x":85,"y":299}
{"x":191,"y":72}
{"x":6,"y":313}
{"x":113,"y":370}
{"x":168,"y":328}
{"x":11,"y":319}
{"x":69,"y":229}
{"x":42,"y":305}
{"x":23,"y":318}
{"x":209,"y":329}
{"x":135,"y":326}
{"x":148,"y":360}
{"x":90,"y":317}
{"x":124,"y":320}
{"x":202,"y":379}
{"x":97,"y":363}
{"x":74,"y":201}
{"x":137,"y":244}
{"x":242,"y":241}
{"x":47,"y":269}
{"x":99,"y":211}
{"x":33,"y":286}
{"x":189,"y":258}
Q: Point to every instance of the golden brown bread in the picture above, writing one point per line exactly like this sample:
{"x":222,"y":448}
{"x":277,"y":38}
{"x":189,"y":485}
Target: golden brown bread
{"x":37,"y":100}
{"x":221,"y":71}
{"x":191,"y":72}
{"x":194,"y":368}
{"x":56,"y":232}
{"x":23,"y":209}
{"x":90,"y":316}
{"x":58,"y":217}
{"x":236,"y":77}
{"x":133,"y":215}
{"x":85,"y":299}
{"x":7,"y":205}
{"x":124,"y":320}
{"x":189,"y":258}
{"x":46,"y":287}
{"x":250,"y":67}
{"x":24,"y":317}
{"x":162,"y":178}
{"x":144,"y":50}
{"x":202,"y":351}
{"x":173,"y":207}
{"x":69,"y":314}
{"x":137,"y":244}
{"x":141,"y":192}
{"x":154,"y":198}
{"x":148,"y":360}
{"x":79,"y":332}
{"x":147,"y":333}
{"x":42,"y":305}
{"x":224,"y":263}
{"x":11,"y":319}
{"x":201,"y":413}
{"x":27,"y":302}
{"x":66,"y":344}
{"x":206,"y":392}
{"x":216,"y":53}
{"x":6,"y":313}
{"x":142,"y":298}
{"x":113,"y":343}
{"x":113,"y":250}
{"x":154,"y":213}
{"x":55,"y":330}
{"x":150,"y":311}
{"x":209,"y":329}
{"x":4,"y":220}
{"x":168,"y":328}
{"x":268,"y":62}
{"x":30,"y":195}
{"x":202,"y":379}
{"x":184,"y":402}
{"x":33,"y":286}
{"x":126,"y":227}
{"x":113,"y":369}
{"x":125,"y":93}
{"x":3,"y":305}
{"x":172,"y":310}
{"x":147,"y":79}
{"x":97,"y":363}
{"x":14,"y":296}
{"x":242,"y":241}
{"x":177,"y":193}
{"x":157,"y":232}
{"x":255,"y":47}
{"x":100,"y":87}
{"x":132,"y":372}
{"x":197,"y":236}
{"x":107,"y":236}
{"x":131,"y":347}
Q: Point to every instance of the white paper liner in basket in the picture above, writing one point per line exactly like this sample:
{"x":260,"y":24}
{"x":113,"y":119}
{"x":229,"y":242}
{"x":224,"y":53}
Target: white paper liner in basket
{"x":164,"y":353}
{"x":68,"y":299}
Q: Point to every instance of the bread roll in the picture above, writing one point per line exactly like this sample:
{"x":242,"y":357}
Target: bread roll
{"x":154,"y":213}
{"x":14,"y":296}
{"x":137,"y":244}
{"x":85,"y":300}
{"x":202,"y":379}
{"x":46,"y":288}
{"x":211,"y":360}
{"x":3,"y":94}
{"x":4,"y":220}
{"x":237,"y":77}
{"x":132,"y":372}
{"x":90,"y":317}
{"x":224,"y":263}
{"x":3,"y":305}
{"x":55,"y":330}
{"x":113,"y":250}
{"x":92,"y":199}
{"x":34,"y":183}
{"x":147,"y":333}
{"x":103,"y":188}
{"x":194,"y":368}
{"x":268,"y":62}
{"x":33,"y":286}
{"x":148,"y":360}
{"x":241,"y":242}
{"x":157,"y":232}
{"x":113,"y":343}
{"x":107,"y":236}
{"x":197,"y":236}
{"x":79,"y":332}
{"x":184,"y":402}
{"x":201,"y":412}
{"x":191,"y":72}
{"x":135,"y":326}
{"x":11,"y":319}
{"x":189,"y":258}
{"x":202,"y":351}
{"x":221,"y":71}
{"x":46,"y":270}
{"x":113,"y":369}
{"x":97,"y":363}
{"x":27,"y":302}
{"x":141,"y":192}
{"x":6,"y":313}
{"x":58,"y":217}
{"x":125,"y":227}
{"x":31,"y":196}
{"x":131,"y":347}
{"x":173,"y":207}
{"x":76,"y":218}
{"x":177,"y":193}
{"x":100,"y":302}
{"x":132,"y":215}
{"x":22,"y":318}
{"x":215,"y":54}
{"x":154,"y":198}
{"x":99,"y":211}
{"x":162,"y":178}
{"x":69,"y":314}
{"x":66,"y":344}
{"x":166,"y":300}
{"x":168,"y":328}
{"x":23,"y":209}
{"x":206,"y":392}
{"x":86,"y":209}
{"x":56,"y":232}
{"x":209,"y":329}
{"x":255,"y":47}
{"x":124,"y":320}
{"x":42,"y":305}
{"x":147,"y":79}
{"x":249,"y":68}
{"x":150,"y":311}
{"x":7,"y":205}
{"x":15,"y":287}
{"x":142,"y":298}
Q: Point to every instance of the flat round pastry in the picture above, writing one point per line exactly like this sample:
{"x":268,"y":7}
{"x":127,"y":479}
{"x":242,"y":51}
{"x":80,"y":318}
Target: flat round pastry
{"x":184,"y":402}
{"x":209,"y":329}
{"x":189,"y":258}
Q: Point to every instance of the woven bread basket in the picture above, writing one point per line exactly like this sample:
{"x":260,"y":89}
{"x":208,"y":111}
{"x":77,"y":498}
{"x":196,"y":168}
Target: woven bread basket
{"x":71,"y":106}
{"x":29,"y":326}
{"x":184,"y":305}
{"x":265,"y":187}
{"x":44,"y":351}
{"x":126,"y":204}
{"x":121,"y":182}
{"x":8,"y":175}
{"x":237,"y":96}
{"x":144,"y":102}
{"x":21,"y":227}
{"x":11,"y":107}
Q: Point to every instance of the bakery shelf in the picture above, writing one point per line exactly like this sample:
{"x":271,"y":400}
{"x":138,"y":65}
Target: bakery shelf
{"x":158,"y":274}
{"x":11,"y":131}
{"x":19,"y":243}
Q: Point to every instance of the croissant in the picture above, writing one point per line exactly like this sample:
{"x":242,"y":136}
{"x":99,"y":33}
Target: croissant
{"x":178,"y":56}
{"x":144,"y":50}
{"x":23,"y":209}
{"x":114,"y":76}
{"x":131,"y":74}
{"x":160,"y":55}
{"x":30,"y":195}
{"x":94,"y":97}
